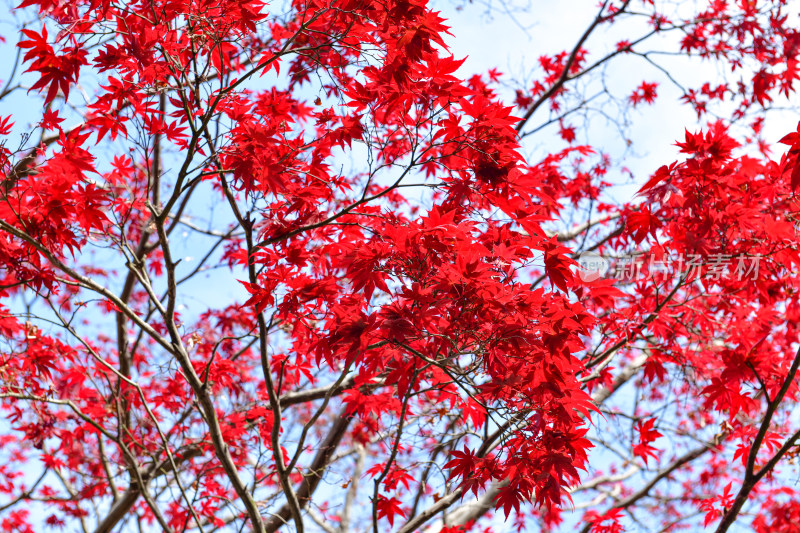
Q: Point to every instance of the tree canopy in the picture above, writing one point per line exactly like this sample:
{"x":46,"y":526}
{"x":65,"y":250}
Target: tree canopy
{"x":289,"y":266}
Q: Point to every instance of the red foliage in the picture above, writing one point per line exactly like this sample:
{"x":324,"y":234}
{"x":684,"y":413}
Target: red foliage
{"x":266,"y":268}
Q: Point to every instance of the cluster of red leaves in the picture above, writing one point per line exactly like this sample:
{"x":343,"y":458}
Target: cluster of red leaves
{"x":357,"y":283}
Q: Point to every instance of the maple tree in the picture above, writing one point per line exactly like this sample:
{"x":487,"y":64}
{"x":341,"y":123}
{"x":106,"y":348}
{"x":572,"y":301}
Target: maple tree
{"x":284,"y":267}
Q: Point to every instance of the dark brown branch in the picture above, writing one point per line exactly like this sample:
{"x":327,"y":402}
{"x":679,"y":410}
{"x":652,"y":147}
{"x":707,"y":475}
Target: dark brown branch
{"x":315,"y":472}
